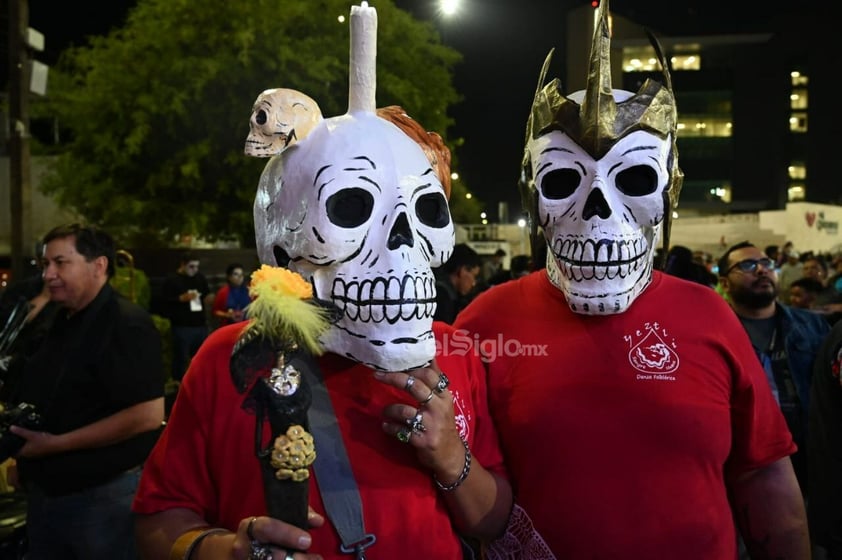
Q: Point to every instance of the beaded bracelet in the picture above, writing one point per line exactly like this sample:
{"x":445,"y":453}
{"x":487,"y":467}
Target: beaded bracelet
{"x":462,"y":476}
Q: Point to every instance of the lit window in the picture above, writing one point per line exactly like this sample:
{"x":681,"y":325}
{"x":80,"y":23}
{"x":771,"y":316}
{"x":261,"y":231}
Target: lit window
{"x":796,"y":192}
{"x":704,"y":125}
{"x":798,"y":122}
{"x":642,"y":59}
{"x":722,"y":192}
{"x":798,"y":99}
{"x":798,"y":79}
{"x":797,"y":171}
{"x":686,"y":62}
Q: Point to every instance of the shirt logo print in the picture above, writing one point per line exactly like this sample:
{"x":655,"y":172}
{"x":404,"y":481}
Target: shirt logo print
{"x":653,"y":352}
{"x":462,"y":414}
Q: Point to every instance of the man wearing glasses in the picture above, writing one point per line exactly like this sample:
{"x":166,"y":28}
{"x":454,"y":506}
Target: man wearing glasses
{"x":786,"y":339}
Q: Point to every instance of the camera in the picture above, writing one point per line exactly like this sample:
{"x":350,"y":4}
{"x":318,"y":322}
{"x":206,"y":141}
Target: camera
{"x":23,"y":415}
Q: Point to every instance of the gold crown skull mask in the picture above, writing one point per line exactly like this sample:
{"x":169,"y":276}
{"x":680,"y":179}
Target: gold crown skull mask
{"x":357,"y":208}
{"x":600,"y":177}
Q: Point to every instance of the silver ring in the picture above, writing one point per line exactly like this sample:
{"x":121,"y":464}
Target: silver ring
{"x":259,"y":551}
{"x":288,"y":556}
{"x":403,"y":435}
{"x":416,"y":423}
{"x":442,"y":383}
{"x":410,"y":381}
{"x":249,"y":529}
{"x":428,"y":399}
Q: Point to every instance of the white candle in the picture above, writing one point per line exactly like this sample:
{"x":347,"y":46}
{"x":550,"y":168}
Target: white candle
{"x":363,"y":67}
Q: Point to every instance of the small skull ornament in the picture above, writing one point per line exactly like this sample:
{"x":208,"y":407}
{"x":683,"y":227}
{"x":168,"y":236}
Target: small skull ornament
{"x":278,"y":119}
{"x":356,"y":208}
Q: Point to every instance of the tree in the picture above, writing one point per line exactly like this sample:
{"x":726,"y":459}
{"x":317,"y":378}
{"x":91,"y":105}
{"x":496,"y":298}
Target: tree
{"x":157,"y":111}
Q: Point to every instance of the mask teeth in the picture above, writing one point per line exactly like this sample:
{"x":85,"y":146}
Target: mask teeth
{"x":599,"y":260}
{"x":389,"y":299}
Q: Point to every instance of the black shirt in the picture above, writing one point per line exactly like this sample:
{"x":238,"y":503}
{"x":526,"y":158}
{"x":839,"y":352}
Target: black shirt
{"x":447,"y":302}
{"x":179,"y":312}
{"x":100,"y":360}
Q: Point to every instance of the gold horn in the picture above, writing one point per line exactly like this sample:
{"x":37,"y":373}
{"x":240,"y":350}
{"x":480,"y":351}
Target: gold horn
{"x":599,"y":110}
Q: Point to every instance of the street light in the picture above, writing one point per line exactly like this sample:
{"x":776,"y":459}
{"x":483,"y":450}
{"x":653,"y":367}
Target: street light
{"x":448,"y":7}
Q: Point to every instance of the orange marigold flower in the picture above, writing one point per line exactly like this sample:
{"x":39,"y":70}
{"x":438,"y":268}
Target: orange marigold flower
{"x":282,"y":281}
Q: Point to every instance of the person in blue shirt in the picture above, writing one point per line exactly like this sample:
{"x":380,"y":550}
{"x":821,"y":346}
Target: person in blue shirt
{"x":231,"y":299}
{"x":786,"y":339}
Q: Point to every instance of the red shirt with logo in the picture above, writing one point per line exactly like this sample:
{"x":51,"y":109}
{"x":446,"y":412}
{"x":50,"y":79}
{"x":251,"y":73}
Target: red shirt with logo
{"x":620,"y":431}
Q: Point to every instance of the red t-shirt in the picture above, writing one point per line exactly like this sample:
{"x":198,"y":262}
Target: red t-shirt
{"x":220,"y":303}
{"x":620,"y":431}
{"x":205,"y":458}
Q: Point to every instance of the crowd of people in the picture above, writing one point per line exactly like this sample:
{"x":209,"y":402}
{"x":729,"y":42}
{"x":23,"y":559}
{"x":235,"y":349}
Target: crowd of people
{"x":809,"y":280}
{"x":377,"y":394}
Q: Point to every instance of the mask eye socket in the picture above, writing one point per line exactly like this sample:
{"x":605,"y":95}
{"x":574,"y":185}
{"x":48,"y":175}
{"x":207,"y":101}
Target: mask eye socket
{"x":350,"y":208}
{"x":261,"y":118}
{"x":432,"y":210}
{"x":639,"y":180}
{"x":560,"y":183}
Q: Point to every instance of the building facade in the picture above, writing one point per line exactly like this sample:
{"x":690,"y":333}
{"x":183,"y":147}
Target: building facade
{"x":756,"y":107}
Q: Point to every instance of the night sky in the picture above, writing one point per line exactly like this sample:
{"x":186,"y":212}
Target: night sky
{"x":503,"y":42}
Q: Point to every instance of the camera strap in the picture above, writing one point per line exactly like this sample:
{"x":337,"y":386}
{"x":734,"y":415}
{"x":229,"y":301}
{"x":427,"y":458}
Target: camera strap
{"x":14,"y":324}
{"x":334,"y":477}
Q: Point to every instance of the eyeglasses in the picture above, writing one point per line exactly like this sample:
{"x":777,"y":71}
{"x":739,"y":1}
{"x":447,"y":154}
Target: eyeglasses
{"x":750,"y":265}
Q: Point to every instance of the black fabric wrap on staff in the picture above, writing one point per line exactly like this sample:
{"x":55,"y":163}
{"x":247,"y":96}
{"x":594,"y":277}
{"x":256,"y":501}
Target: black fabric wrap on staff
{"x":286,"y":499}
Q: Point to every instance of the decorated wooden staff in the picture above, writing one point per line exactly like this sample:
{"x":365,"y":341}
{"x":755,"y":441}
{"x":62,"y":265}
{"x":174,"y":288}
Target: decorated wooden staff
{"x":281,"y":339}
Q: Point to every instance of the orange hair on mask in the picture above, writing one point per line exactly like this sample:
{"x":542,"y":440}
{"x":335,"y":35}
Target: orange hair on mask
{"x":434,"y":148}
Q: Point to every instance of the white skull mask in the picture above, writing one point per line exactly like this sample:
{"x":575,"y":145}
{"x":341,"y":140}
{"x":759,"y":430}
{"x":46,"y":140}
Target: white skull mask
{"x":602,"y":219}
{"x":360,"y":213}
{"x":279,"y":118}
